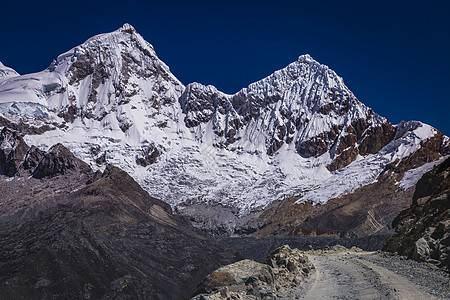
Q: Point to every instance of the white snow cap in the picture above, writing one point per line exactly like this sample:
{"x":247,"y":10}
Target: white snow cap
{"x":306,"y":58}
{"x":6,"y":71}
{"x":126,"y":28}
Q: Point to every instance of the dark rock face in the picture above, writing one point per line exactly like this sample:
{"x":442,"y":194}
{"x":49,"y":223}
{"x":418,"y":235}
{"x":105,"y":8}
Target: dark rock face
{"x":149,"y":156}
{"x":78,"y":234}
{"x":32,"y":159}
{"x":361,"y":139}
{"x":17,"y":159}
{"x":202,"y":104}
{"x":59,"y":160}
{"x":316,"y":146}
{"x":25,"y":128}
{"x":12,"y":151}
{"x":376,"y":138}
{"x":422,"y":231}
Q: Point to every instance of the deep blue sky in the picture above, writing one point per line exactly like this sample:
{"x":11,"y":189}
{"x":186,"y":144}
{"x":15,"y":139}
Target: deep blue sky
{"x":394,"y":55}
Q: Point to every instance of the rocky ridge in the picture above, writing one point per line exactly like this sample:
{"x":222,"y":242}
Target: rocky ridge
{"x":305,"y":104}
{"x":422,"y":231}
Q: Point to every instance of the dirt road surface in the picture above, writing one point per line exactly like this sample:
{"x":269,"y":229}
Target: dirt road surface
{"x":372,"y":275}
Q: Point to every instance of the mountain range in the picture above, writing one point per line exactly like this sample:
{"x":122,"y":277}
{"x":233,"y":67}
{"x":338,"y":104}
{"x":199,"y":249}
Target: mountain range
{"x":293,"y":153}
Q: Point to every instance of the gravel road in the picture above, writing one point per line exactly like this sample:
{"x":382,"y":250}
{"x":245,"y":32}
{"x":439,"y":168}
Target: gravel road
{"x":372,"y":275}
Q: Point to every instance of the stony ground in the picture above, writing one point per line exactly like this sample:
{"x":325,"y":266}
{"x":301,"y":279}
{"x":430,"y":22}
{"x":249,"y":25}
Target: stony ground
{"x":344,"y":274}
{"x":424,"y":276}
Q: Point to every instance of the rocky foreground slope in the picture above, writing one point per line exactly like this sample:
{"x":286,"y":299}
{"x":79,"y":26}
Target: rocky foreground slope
{"x":422,"y":231}
{"x":67,"y":232}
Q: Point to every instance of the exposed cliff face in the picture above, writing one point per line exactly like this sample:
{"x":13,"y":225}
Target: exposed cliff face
{"x":12,"y":152}
{"x":74,"y":233}
{"x":58,"y":160}
{"x":18,"y":159}
{"x":422,"y":231}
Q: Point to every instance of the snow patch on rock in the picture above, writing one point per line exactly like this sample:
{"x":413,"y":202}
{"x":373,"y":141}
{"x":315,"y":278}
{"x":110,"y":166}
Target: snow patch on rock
{"x":411,"y":177}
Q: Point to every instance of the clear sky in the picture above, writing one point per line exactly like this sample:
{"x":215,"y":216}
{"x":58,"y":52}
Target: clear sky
{"x":394,"y":55}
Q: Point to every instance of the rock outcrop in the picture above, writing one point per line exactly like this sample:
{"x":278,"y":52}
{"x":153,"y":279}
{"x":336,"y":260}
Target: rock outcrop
{"x":278,"y":277}
{"x":13,"y":150}
{"x":59,"y":160}
{"x":18,"y":159}
{"x":422,"y":231}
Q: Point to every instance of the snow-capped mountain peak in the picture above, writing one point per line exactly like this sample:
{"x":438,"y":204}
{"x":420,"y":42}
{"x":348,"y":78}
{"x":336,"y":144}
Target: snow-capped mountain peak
{"x":127,"y":28}
{"x":110,"y":82}
{"x":6,"y":71}
{"x":304,"y":105}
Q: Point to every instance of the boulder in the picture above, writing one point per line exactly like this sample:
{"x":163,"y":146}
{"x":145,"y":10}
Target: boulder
{"x":236,"y":276}
{"x":421,"y":250}
{"x":248,"y":279}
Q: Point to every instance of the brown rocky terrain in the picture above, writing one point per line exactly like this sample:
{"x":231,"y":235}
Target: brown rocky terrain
{"x":367,"y":211}
{"x":69,"y":233}
{"x":422,"y":231}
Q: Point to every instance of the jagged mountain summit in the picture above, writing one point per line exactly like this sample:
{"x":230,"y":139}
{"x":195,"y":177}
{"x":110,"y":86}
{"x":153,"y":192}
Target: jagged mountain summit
{"x":299,"y":132}
{"x":97,"y":83}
